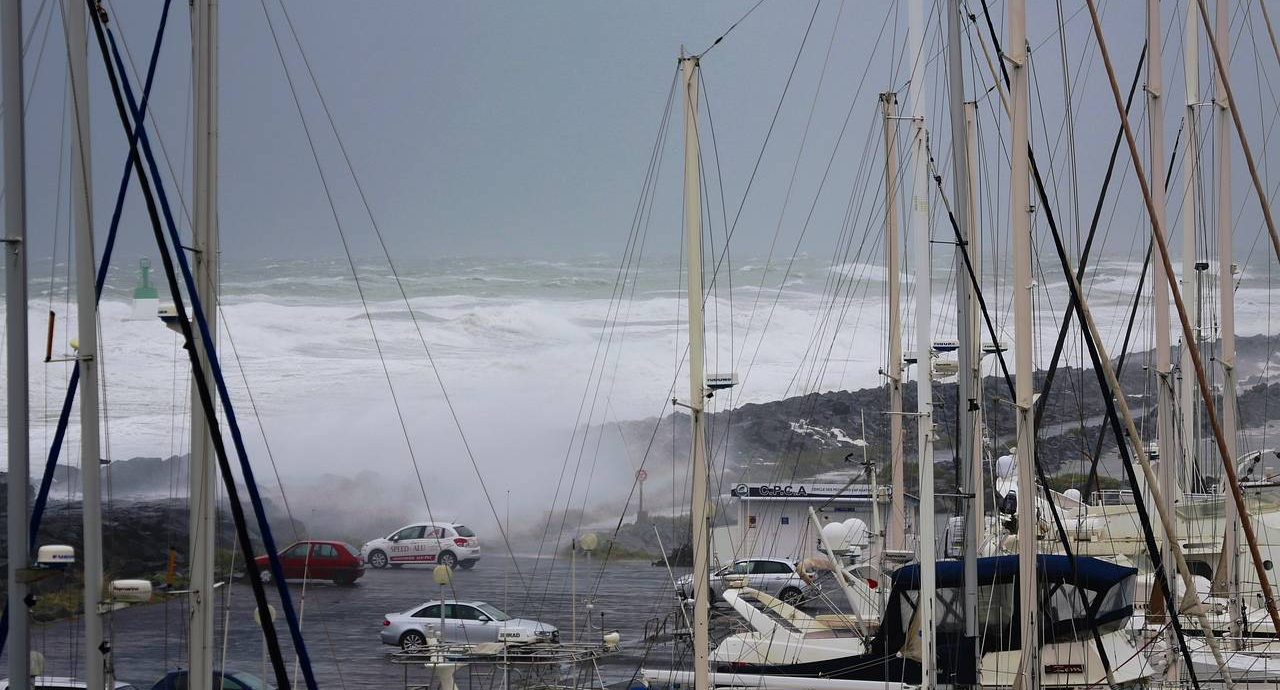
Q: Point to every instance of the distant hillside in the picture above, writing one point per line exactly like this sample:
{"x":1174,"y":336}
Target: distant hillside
{"x":803,"y":436}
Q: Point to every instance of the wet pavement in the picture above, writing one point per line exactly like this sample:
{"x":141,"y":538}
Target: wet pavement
{"x":341,"y":624}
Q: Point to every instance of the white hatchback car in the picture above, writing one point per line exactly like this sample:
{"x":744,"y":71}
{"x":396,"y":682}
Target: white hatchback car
{"x":446,"y":543}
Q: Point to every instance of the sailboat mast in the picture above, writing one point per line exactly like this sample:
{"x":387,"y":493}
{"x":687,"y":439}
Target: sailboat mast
{"x":1028,"y":677}
{"x":1160,"y":294}
{"x":977,"y":500}
{"x":202,"y":476}
{"x":1190,"y":212}
{"x":968,"y":384}
{"x":919,"y":230}
{"x":15,"y":274}
{"x":86,"y":353}
{"x":697,"y":390}
{"x":1226,"y":302}
{"x":897,"y":533}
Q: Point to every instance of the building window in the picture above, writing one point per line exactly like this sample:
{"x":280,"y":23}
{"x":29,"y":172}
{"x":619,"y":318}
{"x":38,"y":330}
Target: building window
{"x":786,"y":519}
{"x":751,"y":522}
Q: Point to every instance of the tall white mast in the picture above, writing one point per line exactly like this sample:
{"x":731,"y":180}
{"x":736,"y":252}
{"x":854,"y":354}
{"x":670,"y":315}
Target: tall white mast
{"x":203,"y":497}
{"x":1226,"y":303}
{"x":968,"y":381}
{"x":87,"y":332}
{"x":919,"y":229}
{"x":697,"y":390}
{"x":1160,"y":292}
{"x":1190,"y":212}
{"x":975,"y":325}
{"x":1028,"y":677}
{"x":896,"y":536}
{"x":15,"y":275}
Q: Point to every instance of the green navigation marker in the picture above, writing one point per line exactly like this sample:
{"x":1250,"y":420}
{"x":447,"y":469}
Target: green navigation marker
{"x":145,"y":289}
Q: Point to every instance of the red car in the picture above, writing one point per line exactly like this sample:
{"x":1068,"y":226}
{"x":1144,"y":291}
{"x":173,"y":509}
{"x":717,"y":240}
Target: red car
{"x":317,"y":560}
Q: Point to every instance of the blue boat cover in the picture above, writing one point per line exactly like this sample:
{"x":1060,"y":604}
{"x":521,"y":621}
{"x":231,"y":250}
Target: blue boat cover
{"x":1088,"y":572}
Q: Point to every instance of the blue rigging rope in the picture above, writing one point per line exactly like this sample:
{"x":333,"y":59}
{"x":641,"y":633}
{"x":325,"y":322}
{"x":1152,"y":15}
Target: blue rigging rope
{"x":64,"y":417}
{"x":255,"y":498}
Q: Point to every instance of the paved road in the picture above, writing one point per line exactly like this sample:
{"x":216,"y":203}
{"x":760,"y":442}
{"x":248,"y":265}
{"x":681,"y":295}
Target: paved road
{"x":341,"y":623}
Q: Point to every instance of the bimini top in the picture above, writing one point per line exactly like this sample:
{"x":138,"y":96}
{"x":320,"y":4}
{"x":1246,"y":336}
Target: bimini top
{"x":1090,"y":573}
{"x":1077,"y":595}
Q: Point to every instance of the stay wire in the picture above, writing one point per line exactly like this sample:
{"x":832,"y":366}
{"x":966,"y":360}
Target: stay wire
{"x":351,"y":263}
{"x":1107,"y":177}
{"x":730,"y":29}
{"x":116,"y":78}
{"x":64,"y":417}
{"x":275,"y":469}
{"x":643,"y":204}
{"x":746,"y":193}
{"x":453,"y":413}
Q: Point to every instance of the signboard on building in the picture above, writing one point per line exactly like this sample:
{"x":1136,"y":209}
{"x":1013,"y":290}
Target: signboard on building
{"x":798,"y":491}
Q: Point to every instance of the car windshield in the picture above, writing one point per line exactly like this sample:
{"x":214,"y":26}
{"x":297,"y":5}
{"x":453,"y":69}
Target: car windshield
{"x":351,"y":549}
{"x":248,"y":680}
{"x":493,"y":612}
{"x":463,"y":531}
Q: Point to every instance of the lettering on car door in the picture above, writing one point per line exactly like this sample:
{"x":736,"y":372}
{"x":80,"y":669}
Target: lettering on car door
{"x":407,"y":545}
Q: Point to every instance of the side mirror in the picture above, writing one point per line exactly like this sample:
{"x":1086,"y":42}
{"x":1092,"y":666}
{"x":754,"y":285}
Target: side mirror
{"x":484,"y":618}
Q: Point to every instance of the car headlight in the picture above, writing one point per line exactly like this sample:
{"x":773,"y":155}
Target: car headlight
{"x":544,"y":633}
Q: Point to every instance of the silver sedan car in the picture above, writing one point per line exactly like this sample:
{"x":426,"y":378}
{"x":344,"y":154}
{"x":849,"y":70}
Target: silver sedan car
{"x":773,"y":576}
{"x":464,"y":622}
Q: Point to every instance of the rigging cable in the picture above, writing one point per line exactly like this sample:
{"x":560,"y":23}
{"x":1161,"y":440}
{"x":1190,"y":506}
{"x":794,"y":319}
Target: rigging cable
{"x":120,"y":82}
{"x":730,"y":29}
{"x":395,"y":274}
{"x":64,"y":416}
{"x":1144,"y":518}
{"x":202,"y":385}
{"x":1088,"y":246}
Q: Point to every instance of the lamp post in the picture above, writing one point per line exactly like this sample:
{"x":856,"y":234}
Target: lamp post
{"x":443,"y":575}
{"x":588,"y":543}
{"x":257,"y":621}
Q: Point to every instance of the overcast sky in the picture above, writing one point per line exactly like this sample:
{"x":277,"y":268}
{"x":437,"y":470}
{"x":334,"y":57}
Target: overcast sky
{"x":525,"y":128}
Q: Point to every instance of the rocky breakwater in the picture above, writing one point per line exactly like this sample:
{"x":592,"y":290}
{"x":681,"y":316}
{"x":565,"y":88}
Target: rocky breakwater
{"x":140,"y":538}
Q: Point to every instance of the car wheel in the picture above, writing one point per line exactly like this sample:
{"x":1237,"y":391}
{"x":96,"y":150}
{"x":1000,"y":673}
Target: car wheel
{"x":344,"y":580}
{"x":412,"y":639}
{"x":792,"y":596}
{"x":378,"y":559}
{"x":448,"y":559}
{"x":467,"y":565}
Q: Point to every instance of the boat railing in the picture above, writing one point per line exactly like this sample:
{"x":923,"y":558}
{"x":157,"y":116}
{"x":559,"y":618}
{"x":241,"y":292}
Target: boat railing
{"x":1113,"y":497}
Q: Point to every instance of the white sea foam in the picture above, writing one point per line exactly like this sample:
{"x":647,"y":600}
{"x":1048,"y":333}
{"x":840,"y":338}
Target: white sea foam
{"x":515,"y":349}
